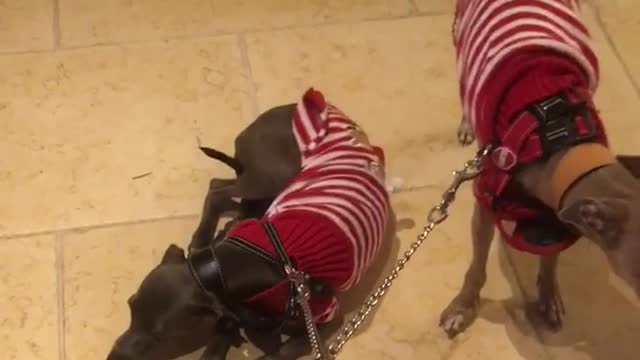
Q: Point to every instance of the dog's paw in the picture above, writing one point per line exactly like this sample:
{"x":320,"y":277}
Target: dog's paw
{"x":457,"y":317}
{"x":466,"y":136}
{"x":548,"y":309}
{"x":268,"y":357}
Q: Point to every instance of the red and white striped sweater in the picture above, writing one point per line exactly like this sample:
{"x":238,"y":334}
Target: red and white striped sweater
{"x":510,"y":54}
{"x":529,"y":48}
{"x":332,"y":216}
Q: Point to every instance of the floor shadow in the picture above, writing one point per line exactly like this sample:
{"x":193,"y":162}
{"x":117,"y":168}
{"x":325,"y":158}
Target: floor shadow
{"x":600,"y":323}
{"x":353,"y":300}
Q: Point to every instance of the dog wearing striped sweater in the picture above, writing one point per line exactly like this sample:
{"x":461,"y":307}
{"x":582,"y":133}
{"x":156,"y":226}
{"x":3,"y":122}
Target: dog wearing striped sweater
{"x":527,"y":75}
{"x":313,"y":198}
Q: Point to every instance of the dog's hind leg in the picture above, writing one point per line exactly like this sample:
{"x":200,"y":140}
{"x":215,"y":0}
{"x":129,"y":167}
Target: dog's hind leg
{"x":298,"y":345}
{"x":549,"y":306}
{"x":462,"y":310}
{"x":249,"y":209}
{"x":217,"y":202}
{"x":465,"y":133}
{"x":222,"y":233}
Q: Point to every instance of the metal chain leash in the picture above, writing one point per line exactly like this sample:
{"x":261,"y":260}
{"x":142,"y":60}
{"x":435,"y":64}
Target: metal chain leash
{"x":302,"y":296}
{"x":437,"y":215}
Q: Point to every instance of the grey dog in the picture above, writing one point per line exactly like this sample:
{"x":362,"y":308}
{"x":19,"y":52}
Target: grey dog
{"x":194,"y":300}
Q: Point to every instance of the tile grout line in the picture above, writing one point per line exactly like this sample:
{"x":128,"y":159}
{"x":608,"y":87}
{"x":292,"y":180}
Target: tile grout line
{"x":415,"y":188}
{"x":62,"y":230}
{"x":413,"y":7}
{"x":614,"y":48}
{"x":204,"y":36}
{"x":248,"y":74}
{"x":537,"y":333}
{"x":98,"y":226}
{"x":59,"y":269}
{"x":56,"y":24}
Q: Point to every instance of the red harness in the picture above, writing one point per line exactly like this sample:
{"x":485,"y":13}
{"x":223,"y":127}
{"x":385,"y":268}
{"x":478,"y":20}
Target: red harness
{"x":543,"y":129}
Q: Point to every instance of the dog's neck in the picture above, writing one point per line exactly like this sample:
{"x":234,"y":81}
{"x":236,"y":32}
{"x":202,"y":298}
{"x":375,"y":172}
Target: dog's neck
{"x":601,"y":204}
{"x":551,"y":180}
{"x":608,"y":190}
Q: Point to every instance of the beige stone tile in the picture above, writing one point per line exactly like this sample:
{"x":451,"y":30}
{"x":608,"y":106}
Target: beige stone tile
{"x":602,"y":321}
{"x":622,"y":21}
{"x":84,"y":22}
{"x":616,"y":97}
{"x":396,"y":78}
{"x":435,"y":5}
{"x":26,"y":25}
{"x":621,"y":9}
{"x":28,"y":299}
{"x":79,"y":126}
{"x":102,"y":268}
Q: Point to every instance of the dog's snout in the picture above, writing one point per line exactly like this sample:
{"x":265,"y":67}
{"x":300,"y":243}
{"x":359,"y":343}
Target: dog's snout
{"x":118,"y":355}
{"x":129,"y":346}
{"x":636,"y":282}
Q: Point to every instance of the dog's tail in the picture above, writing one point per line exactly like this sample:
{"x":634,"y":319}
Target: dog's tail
{"x":219,"y":155}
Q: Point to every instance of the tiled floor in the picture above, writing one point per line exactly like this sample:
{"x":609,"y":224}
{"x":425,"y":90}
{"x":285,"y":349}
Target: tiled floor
{"x":102,"y":105}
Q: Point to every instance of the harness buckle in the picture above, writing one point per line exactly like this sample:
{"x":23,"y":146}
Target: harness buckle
{"x":562,"y":124}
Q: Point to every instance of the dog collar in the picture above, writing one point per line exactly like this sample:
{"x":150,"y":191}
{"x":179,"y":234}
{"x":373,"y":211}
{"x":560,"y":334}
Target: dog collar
{"x":574,"y":164}
{"x":206,"y":270}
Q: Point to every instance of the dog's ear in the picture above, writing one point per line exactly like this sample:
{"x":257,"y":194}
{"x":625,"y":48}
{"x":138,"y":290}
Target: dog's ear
{"x":599,"y":219}
{"x":631,"y":163}
{"x":173,"y":255}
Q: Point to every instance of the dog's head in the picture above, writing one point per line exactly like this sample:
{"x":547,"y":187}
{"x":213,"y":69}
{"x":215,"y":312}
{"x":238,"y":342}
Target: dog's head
{"x":605,"y":207}
{"x":170,"y":314}
{"x":178,"y":309}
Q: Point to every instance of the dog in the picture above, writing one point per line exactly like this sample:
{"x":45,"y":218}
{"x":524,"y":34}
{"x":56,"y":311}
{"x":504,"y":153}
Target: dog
{"x":527,"y":75}
{"x":312,"y":198}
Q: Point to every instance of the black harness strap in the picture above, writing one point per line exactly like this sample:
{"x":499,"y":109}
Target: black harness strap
{"x":206,"y":267}
{"x":292,"y":309}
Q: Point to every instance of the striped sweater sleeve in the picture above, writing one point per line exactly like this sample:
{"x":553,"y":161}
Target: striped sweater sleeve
{"x":541,"y":34}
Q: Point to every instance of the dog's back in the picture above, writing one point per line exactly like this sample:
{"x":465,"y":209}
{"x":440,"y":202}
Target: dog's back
{"x":490,"y":35}
{"x":268,"y":153}
{"x":340,"y":179}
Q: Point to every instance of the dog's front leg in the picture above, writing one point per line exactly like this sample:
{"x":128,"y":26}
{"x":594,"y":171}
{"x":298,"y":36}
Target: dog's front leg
{"x":217,"y":201}
{"x":225,"y":336}
{"x":216,"y":350}
{"x":462,"y":310}
{"x":549,"y":305}
{"x":298,"y":345}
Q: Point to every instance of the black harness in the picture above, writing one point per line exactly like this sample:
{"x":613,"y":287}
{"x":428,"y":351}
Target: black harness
{"x":234,"y":269}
